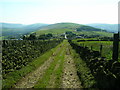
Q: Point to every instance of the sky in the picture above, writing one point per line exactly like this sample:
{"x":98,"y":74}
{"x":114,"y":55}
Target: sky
{"x":56,"y":11}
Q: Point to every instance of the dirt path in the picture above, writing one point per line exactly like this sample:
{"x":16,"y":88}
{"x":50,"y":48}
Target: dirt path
{"x":70,"y":78}
{"x":64,"y":73}
{"x":31,"y":79}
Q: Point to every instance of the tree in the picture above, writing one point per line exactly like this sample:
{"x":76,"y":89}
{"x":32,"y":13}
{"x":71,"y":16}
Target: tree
{"x":24,"y":37}
{"x":42,"y":37}
{"x":49,"y":35}
{"x":32,"y":37}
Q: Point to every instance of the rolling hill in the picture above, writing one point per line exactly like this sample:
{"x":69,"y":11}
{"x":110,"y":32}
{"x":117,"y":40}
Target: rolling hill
{"x":108,"y":27}
{"x":11,"y":25}
{"x":16,"y":30}
{"x":60,"y":28}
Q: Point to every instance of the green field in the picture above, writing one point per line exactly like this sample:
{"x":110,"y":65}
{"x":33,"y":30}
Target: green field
{"x":95,"y":45}
{"x":106,"y":34}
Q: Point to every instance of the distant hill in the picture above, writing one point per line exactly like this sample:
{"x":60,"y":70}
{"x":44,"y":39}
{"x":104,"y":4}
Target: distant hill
{"x":108,"y":27}
{"x":11,"y":26}
{"x":60,"y":28}
{"x":16,"y":30}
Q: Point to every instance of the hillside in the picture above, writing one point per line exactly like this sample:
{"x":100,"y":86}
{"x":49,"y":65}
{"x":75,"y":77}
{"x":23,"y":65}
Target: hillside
{"x":16,"y":30}
{"x":60,"y":28}
{"x":108,"y":27}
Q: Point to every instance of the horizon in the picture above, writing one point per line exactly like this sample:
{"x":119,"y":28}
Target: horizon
{"x":56,"y":23}
{"x":56,"y":11}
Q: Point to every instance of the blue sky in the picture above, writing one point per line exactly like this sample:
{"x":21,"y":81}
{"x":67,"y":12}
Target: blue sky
{"x":55,"y":11}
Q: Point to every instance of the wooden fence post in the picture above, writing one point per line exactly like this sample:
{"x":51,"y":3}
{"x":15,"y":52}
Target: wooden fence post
{"x":115,"y":47}
{"x":101,"y":46}
{"x":91,"y":48}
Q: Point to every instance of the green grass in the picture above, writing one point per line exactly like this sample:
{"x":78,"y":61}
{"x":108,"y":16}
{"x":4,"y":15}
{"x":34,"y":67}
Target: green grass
{"x":13,"y":77}
{"x":95,"y":45}
{"x":62,"y":26}
{"x":44,"y":82}
{"x":107,"y":34}
{"x":75,"y":40}
{"x":53,"y":31}
{"x":85,"y":75}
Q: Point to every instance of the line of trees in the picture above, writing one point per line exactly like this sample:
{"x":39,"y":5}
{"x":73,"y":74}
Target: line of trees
{"x":40,"y":37}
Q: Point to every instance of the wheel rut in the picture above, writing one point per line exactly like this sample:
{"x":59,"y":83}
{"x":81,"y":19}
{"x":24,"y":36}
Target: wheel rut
{"x":70,"y":78}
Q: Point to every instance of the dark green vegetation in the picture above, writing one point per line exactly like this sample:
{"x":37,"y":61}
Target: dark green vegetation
{"x":20,"y":52}
{"x":106,"y":72}
{"x":119,"y":52}
{"x":40,"y":37}
{"x":18,"y":58}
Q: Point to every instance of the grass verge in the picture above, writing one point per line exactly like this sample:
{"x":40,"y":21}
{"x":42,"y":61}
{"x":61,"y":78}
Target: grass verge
{"x":84,"y":73}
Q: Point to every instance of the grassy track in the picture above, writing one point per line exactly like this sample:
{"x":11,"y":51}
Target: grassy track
{"x":70,"y":78}
{"x":43,"y":83}
{"x":61,"y":67}
{"x":62,"y":72}
{"x":51,"y":70}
